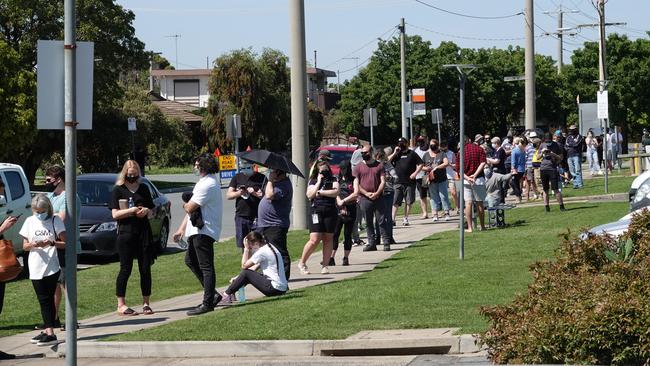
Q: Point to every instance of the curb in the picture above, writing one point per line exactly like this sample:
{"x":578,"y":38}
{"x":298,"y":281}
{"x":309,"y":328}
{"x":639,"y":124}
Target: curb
{"x":465,"y":343}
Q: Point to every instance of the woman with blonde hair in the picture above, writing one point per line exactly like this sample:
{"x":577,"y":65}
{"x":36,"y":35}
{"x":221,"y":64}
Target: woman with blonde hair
{"x":43,"y":233}
{"x":131,"y":206}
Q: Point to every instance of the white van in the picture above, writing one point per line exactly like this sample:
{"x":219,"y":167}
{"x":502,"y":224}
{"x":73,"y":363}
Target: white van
{"x":16,"y":202}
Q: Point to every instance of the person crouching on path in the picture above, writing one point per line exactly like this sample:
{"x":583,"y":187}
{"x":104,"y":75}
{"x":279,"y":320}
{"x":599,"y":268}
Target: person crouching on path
{"x":259,"y":253}
{"x":131,"y":205}
{"x":322,"y":192}
{"x":43,"y":233}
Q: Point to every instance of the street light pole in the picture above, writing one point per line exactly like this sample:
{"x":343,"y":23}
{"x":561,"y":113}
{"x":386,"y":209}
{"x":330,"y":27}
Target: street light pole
{"x":530,"y":108}
{"x":402,"y":43}
{"x":463,"y":70}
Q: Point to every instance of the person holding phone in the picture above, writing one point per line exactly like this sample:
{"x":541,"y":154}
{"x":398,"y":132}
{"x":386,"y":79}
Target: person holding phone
{"x":246,"y":189}
{"x":131,"y":206}
{"x":43,"y":233}
{"x":551,"y":158}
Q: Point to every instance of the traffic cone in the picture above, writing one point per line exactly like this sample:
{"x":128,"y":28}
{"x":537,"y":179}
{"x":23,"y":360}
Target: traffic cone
{"x":217,"y":153}
{"x":249,"y":148}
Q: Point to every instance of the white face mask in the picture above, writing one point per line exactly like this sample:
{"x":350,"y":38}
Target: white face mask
{"x":494,"y":146}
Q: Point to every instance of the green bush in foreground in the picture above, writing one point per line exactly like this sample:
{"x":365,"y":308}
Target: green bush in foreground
{"x":590,"y":305}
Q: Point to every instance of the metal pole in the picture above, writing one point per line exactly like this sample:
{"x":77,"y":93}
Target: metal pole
{"x":410,"y":136}
{"x":372,"y":121}
{"x":70,"y":123}
{"x":602,"y":83}
{"x":461,"y":168}
{"x":402,"y":47}
{"x":560,"y":34}
{"x":151,"y":72}
{"x":235,"y":133}
{"x":299,"y":137}
{"x":530,"y":66}
{"x":439,"y":140}
{"x":338,"y":81}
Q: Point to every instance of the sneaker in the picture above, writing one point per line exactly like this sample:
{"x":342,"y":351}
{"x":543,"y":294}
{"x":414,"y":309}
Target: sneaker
{"x":6,"y":356}
{"x":303,"y":268}
{"x":435,"y":218}
{"x":227,"y":299}
{"x":47,"y":340}
{"x":324,"y":270}
{"x":217,"y":299}
{"x":562,"y":208}
{"x":447,"y":217}
{"x":356,"y":244}
{"x":535,"y":196}
{"x":332,"y":262}
{"x":201,"y":309}
{"x":405,"y":222}
{"x":547,"y":208}
{"x":386,"y":247}
{"x":38,"y":338}
{"x":370,"y":248}
{"x":346,"y":262}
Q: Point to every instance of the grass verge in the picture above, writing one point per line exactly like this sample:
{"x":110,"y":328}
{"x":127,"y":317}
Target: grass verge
{"x":96,"y":286}
{"x":153,"y":170}
{"x":168,"y":185}
{"x":424,"y":286}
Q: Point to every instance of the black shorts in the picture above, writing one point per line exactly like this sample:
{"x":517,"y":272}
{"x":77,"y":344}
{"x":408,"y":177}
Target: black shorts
{"x":404,"y":192}
{"x":327,"y":220}
{"x":422,"y":191}
{"x":549,"y":177}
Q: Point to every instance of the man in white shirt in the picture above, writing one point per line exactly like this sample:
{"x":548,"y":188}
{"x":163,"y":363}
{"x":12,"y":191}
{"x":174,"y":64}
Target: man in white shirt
{"x":423,"y":190}
{"x":203,"y":231}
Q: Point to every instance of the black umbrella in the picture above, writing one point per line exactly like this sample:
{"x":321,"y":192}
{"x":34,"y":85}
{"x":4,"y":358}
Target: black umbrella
{"x":271,"y":160}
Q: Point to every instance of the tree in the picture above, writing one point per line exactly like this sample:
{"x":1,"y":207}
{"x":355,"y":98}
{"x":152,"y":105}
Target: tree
{"x":256,"y":88}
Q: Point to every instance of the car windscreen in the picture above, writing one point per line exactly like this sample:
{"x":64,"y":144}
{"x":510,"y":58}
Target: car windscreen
{"x":339,"y":156}
{"x":94,"y":193}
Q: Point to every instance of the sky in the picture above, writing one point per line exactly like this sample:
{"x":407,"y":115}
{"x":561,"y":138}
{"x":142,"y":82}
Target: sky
{"x":345,"y":32}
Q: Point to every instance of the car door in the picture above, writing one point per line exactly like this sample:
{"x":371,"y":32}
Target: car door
{"x":18,"y":204}
{"x":158,"y":211}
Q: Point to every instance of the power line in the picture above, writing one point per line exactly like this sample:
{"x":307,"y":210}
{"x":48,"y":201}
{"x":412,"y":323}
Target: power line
{"x":465,"y":37}
{"x":381,"y":36}
{"x":467,"y":15}
{"x":356,"y":67}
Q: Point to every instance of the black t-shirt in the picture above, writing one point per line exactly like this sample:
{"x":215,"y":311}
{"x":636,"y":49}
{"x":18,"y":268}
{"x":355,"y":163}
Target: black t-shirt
{"x":321,"y":202}
{"x":247,"y":207}
{"x":346,"y":188}
{"x":501,"y":155}
{"x":405,"y":164}
{"x":548,"y":163}
{"x":141,"y":197}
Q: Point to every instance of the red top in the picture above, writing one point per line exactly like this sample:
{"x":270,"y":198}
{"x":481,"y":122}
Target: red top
{"x":369,"y":176}
{"x":474,"y":156}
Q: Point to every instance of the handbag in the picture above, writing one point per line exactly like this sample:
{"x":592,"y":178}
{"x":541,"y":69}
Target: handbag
{"x":425,"y":180}
{"x":9,"y":266}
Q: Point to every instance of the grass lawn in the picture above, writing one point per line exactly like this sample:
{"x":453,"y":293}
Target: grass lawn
{"x":167,"y":185}
{"x":152,"y":170}
{"x":424,"y":286}
{"x":97,"y":285}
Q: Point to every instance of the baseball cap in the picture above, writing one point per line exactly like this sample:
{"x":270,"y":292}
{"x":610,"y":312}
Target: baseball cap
{"x":478,"y":137}
{"x":420,"y":138}
{"x":402,"y":140}
{"x":573,"y":127}
{"x":558,"y":133}
{"x":325,"y":154}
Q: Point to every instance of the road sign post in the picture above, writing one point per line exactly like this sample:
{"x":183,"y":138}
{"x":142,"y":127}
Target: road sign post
{"x":370,"y":120}
{"x":436,"y":118}
{"x":233,"y":131}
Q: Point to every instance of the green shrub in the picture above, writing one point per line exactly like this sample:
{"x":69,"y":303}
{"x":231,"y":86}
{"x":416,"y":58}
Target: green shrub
{"x":586,"y":306}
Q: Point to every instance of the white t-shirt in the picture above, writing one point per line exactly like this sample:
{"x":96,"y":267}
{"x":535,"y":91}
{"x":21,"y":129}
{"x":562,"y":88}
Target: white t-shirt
{"x":270,"y":260}
{"x":451,"y":157}
{"x":420,"y":153}
{"x":207,"y":194}
{"x":42,"y":262}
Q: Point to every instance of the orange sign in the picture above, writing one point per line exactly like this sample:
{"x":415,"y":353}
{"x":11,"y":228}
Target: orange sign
{"x":417,"y":95}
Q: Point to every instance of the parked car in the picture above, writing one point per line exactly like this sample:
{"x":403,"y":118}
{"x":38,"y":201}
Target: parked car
{"x":640,"y":192}
{"x":339,"y":153}
{"x":17,"y":202}
{"x":98,"y":229}
{"x":616,"y":228}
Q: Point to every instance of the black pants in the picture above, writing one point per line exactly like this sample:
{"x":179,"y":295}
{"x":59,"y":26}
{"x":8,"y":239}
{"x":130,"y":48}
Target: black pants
{"x":346,"y":227}
{"x":200,"y":258}
{"x":45,"y":289}
{"x":130,"y":247}
{"x":258,"y":280}
{"x":515,"y":183}
{"x":278,"y":237}
{"x":2,"y":295}
{"x":386,"y":202}
{"x":372,"y":209}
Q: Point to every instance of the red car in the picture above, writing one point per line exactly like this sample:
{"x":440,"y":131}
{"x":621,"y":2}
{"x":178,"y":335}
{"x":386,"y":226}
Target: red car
{"x":339,"y":153}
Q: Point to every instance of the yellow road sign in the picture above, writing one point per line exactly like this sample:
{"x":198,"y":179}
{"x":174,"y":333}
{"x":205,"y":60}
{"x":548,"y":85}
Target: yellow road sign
{"x":227,"y":162}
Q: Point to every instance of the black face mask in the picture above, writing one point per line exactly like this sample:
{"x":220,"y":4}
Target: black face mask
{"x":326,"y":173}
{"x":131,"y":178}
{"x":365,"y":156}
{"x":402,"y":147}
{"x":423,"y":144}
{"x":433,"y":147}
{"x":50,"y":186}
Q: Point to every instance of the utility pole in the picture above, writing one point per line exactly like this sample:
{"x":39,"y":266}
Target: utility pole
{"x":560,"y":35}
{"x":151,"y":57}
{"x":299,"y":137}
{"x":72,"y":220}
{"x":176,"y":37}
{"x":338,"y":81}
{"x":402,"y":48}
{"x":602,"y":79}
{"x":530,"y":108}
{"x":315,"y":54}
{"x":356,"y":59}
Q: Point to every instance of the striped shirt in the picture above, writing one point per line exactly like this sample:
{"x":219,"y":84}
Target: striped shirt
{"x":530,"y":151}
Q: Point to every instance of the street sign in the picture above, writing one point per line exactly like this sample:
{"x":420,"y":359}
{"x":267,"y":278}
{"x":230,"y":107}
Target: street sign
{"x":418,"y":95}
{"x":369,"y":116}
{"x":227,"y":174}
{"x":514,"y":78}
{"x":603,"y":109}
{"x":50,"y":85}
{"x":436,"y":116}
{"x":233,"y":122}
{"x":131,"y":122}
{"x":419,"y":109}
{"x":227,"y":162}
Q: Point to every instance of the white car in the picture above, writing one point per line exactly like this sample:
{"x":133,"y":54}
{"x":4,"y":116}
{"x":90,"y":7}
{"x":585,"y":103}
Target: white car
{"x":616,"y":228}
{"x":17,"y":201}
{"x":640,"y":192}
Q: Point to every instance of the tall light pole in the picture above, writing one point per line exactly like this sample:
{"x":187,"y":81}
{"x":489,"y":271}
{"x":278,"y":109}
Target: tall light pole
{"x":176,"y":37}
{"x":299,"y":137}
{"x":463,"y":71}
{"x":530,"y":66}
{"x":560,"y":33}
{"x":602,"y":80}
{"x":402,"y":43}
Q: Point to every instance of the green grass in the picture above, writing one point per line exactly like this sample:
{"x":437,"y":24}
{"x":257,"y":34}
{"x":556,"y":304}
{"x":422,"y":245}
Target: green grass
{"x":153,"y":170}
{"x":96,"y":286}
{"x":424,"y":286}
{"x":596,"y":186}
{"x":167,"y":185}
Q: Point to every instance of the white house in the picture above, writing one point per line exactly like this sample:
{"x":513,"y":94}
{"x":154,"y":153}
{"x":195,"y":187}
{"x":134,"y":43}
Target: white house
{"x":184,"y":86}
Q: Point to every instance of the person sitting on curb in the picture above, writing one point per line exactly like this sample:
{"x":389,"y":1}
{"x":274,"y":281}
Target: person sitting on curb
{"x":259,"y":253}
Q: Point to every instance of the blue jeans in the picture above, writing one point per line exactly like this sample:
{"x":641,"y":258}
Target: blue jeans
{"x":576,"y":170}
{"x":439,"y":196}
{"x":592,"y":158}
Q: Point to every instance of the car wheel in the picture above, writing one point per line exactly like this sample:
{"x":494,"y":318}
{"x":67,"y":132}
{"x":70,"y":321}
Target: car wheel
{"x":164,"y":236}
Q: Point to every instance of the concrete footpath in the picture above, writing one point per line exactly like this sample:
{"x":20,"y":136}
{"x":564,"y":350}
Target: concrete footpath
{"x":94,"y":329}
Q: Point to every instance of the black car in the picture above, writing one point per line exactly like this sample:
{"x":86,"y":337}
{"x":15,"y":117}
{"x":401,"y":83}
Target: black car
{"x":98,"y":229}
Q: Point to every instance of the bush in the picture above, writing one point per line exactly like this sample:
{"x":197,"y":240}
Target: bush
{"x":590,"y":305}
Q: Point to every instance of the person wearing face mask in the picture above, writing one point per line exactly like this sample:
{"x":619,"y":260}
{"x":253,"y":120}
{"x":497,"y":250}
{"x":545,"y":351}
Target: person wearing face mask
{"x":246,"y":189}
{"x":451,"y":172}
{"x":573,"y":145}
{"x":43,"y":233}
{"x":131,"y":205}
{"x":497,"y":161}
{"x":435,"y":165}
{"x":322,"y":191}
{"x":55,"y":185}
{"x":592,"y":153}
{"x":422,"y":188}
{"x":5,"y":225}
{"x":407,"y":166}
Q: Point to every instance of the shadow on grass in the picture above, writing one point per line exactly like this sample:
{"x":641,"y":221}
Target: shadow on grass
{"x":514,"y":224}
{"x":25,"y":327}
{"x":580,"y":208}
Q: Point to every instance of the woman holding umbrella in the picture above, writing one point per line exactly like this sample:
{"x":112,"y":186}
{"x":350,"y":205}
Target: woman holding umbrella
{"x":322,"y":192}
